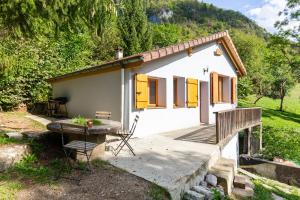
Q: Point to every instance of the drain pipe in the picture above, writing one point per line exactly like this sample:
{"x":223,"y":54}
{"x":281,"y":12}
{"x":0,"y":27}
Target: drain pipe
{"x":122,"y":96}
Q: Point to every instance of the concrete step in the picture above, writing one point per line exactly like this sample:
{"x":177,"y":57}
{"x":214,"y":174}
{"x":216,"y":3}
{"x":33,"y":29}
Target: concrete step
{"x":225,"y":170}
{"x":229,"y":163}
{"x":246,"y":193}
{"x":241,"y":181}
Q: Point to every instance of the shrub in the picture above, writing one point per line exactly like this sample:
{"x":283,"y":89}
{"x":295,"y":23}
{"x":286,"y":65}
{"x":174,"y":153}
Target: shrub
{"x":281,"y":142}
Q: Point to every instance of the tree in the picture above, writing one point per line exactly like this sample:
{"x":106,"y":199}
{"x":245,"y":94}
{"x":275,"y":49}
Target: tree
{"x":134,"y":28}
{"x":252,"y":51}
{"x":283,"y":62}
{"x":290,"y":25}
{"x":38,"y":17}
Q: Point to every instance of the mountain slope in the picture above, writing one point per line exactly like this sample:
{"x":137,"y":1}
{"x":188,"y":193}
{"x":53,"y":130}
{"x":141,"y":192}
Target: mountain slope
{"x":206,"y":16}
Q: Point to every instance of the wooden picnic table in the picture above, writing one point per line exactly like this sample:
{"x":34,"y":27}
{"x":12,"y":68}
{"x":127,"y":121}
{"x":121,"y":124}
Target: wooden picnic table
{"x":97,"y":133}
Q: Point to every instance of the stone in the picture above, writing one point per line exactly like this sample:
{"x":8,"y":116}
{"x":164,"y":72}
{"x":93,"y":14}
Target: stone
{"x":9,"y":155}
{"x":204,"y":190}
{"x":211,"y":179}
{"x":35,"y":134}
{"x":276,"y":197}
{"x":192,"y":195}
{"x":14,"y":135}
{"x":221,"y":190}
{"x":203,"y":183}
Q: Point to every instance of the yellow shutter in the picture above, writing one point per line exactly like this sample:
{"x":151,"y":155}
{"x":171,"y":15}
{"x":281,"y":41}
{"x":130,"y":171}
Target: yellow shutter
{"x":192,"y":92}
{"x":233,"y":90}
{"x":214,"y":87}
{"x":141,"y":91}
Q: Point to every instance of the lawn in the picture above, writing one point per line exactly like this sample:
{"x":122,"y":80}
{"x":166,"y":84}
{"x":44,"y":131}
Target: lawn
{"x":281,"y":129}
{"x":289,"y":118}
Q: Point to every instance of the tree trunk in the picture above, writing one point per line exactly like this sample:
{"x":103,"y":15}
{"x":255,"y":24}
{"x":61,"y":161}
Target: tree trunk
{"x":281,"y":103}
{"x":257,"y":99}
{"x":282,"y":95}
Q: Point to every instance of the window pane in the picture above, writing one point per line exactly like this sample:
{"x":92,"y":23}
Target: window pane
{"x":152,"y":91}
{"x":220,"y":89}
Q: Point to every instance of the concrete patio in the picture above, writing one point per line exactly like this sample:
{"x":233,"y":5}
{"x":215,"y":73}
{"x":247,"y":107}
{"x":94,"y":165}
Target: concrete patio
{"x":200,"y":134}
{"x":173,"y":164}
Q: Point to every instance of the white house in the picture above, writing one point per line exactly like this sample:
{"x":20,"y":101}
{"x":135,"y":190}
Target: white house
{"x":170,"y":88}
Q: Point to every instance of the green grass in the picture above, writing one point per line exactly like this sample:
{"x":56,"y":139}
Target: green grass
{"x":9,"y":189}
{"x":159,"y":193}
{"x":271,"y":116}
{"x":83,"y":121}
{"x":264,"y":189}
{"x":5,"y":140}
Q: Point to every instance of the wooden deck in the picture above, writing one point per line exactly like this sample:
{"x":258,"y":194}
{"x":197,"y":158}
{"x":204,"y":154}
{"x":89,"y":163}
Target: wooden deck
{"x":200,"y":134}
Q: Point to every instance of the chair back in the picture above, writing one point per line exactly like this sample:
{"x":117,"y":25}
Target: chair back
{"x":132,"y":129}
{"x":103,"y":115}
{"x":73,"y":129}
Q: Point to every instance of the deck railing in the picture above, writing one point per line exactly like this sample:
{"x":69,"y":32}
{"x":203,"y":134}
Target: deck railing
{"x":229,"y":122}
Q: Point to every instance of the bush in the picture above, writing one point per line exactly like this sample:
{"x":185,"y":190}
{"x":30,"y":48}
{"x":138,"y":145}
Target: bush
{"x":281,"y":142}
{"x":25,"y":64}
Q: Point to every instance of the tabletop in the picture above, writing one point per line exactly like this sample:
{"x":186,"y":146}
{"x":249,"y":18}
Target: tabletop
{"x":107,"y":126}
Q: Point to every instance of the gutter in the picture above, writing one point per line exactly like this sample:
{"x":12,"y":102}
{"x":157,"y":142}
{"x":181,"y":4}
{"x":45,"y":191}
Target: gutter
{"x":97,"y":69}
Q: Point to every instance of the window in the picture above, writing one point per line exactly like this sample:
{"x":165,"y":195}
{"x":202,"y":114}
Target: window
{"x":220,"y":88}
{"x":152,"y":85}
{"x":150,"y":92}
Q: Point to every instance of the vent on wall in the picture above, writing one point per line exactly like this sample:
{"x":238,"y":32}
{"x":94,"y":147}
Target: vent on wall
{"x":218,"y":52}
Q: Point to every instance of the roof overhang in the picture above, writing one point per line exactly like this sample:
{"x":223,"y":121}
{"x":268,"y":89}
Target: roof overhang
{"x":136,"y":60}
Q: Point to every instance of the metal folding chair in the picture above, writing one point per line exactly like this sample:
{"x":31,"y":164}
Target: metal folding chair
{"x":125,"y":135}
{"x":80,"y":146}
{"x":103,"y":115}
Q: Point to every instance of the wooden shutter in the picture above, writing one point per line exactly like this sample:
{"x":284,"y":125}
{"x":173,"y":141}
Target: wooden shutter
{"x":214,"y":84}
{"x":233,"y":90}
{"x":192,"y":92}
{"x":141,"y":91}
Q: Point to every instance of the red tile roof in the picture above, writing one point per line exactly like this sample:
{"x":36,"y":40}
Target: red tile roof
{"x":221,"y":37}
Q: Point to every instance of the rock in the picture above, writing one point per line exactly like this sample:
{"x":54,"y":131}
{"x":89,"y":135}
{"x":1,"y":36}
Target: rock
{"x":204,"y":190}
{"x":203,"y":183}
{"x":192,"y":195}
{"x":35,"y":134}
{"x":276,"y":197}
{"x":9,"y":155}
{"x":221,"y":190}
{"x":14,"y":135}
{"x":211,"y":179}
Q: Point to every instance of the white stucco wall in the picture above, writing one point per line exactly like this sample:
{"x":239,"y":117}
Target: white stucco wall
{"x":231,"y":149}
{"x":180,"y":64}
{"x":89,"y":94}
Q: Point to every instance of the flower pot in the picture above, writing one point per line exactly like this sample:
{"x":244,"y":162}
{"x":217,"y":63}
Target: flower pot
{"x":90,"y":124}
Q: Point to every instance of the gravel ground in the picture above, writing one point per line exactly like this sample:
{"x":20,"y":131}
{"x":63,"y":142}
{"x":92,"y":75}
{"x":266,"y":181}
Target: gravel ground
{"x":105,"y":183}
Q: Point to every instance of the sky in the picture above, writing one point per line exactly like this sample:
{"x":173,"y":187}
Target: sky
{"x":263,"y":12}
